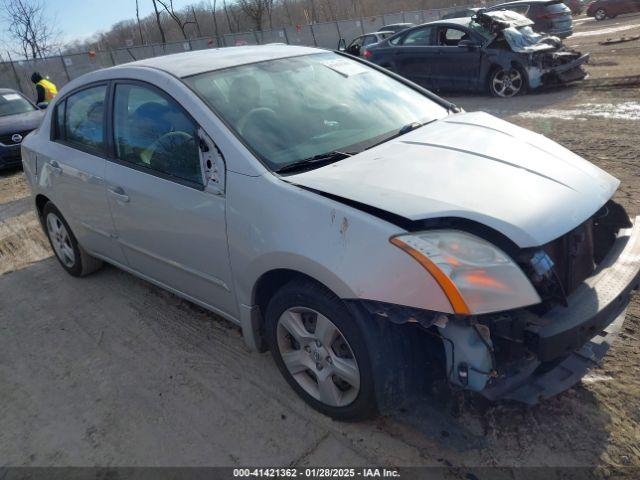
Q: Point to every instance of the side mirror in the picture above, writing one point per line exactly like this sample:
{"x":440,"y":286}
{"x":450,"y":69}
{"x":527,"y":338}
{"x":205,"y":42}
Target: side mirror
{"x":213,"y":165}
{"x":43,"y":105}
{"x":468,"y":44}
{"x":342,"y":45}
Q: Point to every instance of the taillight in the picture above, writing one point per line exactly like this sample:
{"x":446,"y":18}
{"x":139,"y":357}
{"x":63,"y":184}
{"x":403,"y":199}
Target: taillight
{"x":367,"y":54}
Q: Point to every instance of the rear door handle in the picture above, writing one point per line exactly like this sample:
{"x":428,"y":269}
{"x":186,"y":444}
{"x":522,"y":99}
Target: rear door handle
{"x":55,"y":167}
{"x":119,"y":194}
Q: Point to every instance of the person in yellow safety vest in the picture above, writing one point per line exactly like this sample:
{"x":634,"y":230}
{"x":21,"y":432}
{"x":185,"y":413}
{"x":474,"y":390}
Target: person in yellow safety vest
{"x":46,"y":90}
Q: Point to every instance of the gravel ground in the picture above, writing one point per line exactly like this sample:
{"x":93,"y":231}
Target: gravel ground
{"x":110,"y":370}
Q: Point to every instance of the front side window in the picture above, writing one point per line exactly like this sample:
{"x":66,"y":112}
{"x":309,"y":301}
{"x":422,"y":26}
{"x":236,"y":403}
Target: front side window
{"x":291,"y":109}
{"x":81,"y":118}
{"x":450,"y":37}
{"x":152,"y":131}
{"x":13,"y":103}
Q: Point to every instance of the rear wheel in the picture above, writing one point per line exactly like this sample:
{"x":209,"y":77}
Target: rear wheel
{"x":73,"y":258}
{"x":320,"y":351}
{"x":506,"y":82}
{"x":600,"y":14}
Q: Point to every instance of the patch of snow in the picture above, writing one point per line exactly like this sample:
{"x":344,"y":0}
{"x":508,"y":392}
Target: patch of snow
{"x":620,"y":111}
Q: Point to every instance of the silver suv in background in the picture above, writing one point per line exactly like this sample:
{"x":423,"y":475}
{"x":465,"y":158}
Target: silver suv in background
{"x":366,"y":231}
{"x":552,"y":17}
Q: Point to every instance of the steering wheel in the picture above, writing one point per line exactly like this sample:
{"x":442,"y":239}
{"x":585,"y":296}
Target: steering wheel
{"x":252,"y":115}
{"x":170,"y":147}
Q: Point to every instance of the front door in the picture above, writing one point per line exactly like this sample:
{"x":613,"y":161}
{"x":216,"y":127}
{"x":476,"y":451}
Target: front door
{"x":458,"y":66}
{"x":170,"y":227}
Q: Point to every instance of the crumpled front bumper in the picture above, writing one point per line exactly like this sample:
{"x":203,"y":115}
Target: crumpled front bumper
{"x":569,"y":72}
{"x":568,"y":341}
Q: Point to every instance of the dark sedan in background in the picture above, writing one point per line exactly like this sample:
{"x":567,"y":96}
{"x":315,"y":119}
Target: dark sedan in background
{"x":495,"y":51}
{"x":18,"y":117}
{"x":601,"y":9}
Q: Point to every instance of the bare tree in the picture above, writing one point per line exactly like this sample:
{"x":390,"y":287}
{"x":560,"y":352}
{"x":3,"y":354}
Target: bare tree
{"x":139,"y":25}
{"x":159,"y":22}
{"x":175,"y":16}
{"x":226,"y":13}
{"x":214,"y":13}
{"x":256,"y":10}
{"x":30,"y":27}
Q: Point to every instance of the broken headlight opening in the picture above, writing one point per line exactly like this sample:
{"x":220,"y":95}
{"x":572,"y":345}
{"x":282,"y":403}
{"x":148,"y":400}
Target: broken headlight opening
{"x":476,"y":276}
{"x":557,"y":268}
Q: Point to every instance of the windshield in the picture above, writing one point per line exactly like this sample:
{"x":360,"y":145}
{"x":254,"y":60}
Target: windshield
{"x":13,"y":103}
{"x":292,"y":109}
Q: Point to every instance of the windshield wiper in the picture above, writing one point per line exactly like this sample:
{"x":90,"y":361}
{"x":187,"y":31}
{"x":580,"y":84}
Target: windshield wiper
{"x":316,"y":160}
{"x":409,"y":127}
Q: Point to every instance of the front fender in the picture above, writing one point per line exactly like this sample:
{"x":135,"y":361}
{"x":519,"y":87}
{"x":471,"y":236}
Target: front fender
{"x":272,"y":224}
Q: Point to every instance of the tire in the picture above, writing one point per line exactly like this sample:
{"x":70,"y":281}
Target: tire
{"x":73,"y":258}
{"x":330,"y":370}
{"x":507,"y":82}
{"x":600,"y":14}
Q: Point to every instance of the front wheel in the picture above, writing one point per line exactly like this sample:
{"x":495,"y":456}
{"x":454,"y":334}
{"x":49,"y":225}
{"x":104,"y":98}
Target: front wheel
{"x":320,"y":351}
{"x":506,"y":82}
{"x":600,"y":14}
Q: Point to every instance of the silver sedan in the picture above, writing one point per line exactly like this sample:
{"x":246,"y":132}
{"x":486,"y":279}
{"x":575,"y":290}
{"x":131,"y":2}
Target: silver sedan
{"x":369,"y":233}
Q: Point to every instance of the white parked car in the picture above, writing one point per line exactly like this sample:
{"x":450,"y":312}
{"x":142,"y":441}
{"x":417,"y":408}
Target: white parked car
{"x":352,"y":222}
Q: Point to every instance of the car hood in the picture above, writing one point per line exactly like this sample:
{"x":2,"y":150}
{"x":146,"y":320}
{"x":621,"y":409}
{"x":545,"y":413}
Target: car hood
{"x":21,"y":122}
{"x":476,"y":167}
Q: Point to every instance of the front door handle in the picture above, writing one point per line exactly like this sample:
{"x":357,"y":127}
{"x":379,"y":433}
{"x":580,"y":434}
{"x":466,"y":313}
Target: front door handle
{"x":55,"y":167}
{"x":119,"y":194}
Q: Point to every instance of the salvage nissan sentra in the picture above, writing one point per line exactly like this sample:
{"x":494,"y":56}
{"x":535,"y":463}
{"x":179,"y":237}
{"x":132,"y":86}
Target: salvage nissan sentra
{"x":353,"y":223}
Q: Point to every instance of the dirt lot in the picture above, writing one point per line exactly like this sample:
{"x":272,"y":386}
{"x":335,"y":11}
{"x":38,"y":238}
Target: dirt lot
{"x":110,"y":370}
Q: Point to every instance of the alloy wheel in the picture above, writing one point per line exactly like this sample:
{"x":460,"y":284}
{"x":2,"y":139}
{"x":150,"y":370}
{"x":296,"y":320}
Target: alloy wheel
{"x":60,"y":240}
{"x":318,"y":356}
{"x":507,"y":82}
{"x":600,"y":14}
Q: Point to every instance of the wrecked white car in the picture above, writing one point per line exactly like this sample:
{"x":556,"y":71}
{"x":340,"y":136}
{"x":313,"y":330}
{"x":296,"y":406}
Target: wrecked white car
{"x":496,"y":52}
{"x":366,"y":231}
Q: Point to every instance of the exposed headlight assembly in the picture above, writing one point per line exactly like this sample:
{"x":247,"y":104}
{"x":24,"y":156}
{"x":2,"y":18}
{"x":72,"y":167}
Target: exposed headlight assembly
{"x":475,"y":276}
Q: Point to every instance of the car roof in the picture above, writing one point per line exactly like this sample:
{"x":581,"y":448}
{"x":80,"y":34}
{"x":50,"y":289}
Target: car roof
{"x":7,"y":90}
{"x":200,"y":61}
{"x":462,"y":21}
{"x":402,"y":24}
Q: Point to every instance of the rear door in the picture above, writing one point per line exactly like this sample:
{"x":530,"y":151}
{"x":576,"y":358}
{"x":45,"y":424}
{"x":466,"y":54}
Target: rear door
{"x":458,"y":66}
{"x":170,"y":225}
{"x":74,"y":166}
{"x":416,"y":56}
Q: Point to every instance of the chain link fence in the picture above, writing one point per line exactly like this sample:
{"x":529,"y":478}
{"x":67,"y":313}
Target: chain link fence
{"x":65,"y":67}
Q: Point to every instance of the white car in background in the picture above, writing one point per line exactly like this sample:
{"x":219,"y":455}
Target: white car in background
{"x":350,"y":221}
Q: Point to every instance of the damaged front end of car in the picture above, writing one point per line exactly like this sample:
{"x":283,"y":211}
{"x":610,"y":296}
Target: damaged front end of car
{"x":584,"y":280}
{"x":546,"y":60}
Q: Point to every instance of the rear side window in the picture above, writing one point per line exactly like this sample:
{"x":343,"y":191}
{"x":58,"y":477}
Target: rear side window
{"x":153,"y":132}
{"x":521,"y":9}
{"x":369,"y":39}
{"x":557,"y":8}
{"x":80,"y":119}
{"x":418,"y":37}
